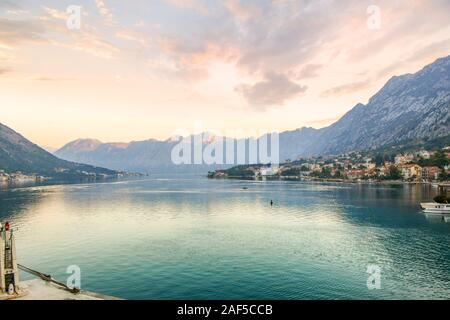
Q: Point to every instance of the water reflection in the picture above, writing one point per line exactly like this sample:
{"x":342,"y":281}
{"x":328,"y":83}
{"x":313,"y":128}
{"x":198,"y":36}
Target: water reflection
{"x":205,"y":239}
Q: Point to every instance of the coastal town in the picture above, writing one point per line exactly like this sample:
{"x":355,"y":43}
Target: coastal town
{"x":19,"y":177}
{"x":421,"y":166}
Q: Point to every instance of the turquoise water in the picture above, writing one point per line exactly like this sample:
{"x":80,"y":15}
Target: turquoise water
{"x":194,"y":238}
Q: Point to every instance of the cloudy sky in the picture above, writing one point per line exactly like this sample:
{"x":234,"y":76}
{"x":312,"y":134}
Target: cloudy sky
{"x":144,"y":69}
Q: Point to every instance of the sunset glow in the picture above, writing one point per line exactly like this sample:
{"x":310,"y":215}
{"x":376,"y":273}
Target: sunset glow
{"x":138,"y":69}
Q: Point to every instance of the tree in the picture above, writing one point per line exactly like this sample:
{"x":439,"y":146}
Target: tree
{"x":388,"y":157}
{"x":379,"y":159}
{"x":324,"y":174}
{"x":441,"y":199}
{"x":394,"y":173}
{"x":438,"y":159}
{"x":443,"y":176}
{"x":291,"y":172}
{"x":304,"y":168}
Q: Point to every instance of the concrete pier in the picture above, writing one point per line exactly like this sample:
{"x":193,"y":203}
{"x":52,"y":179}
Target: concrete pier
{"x":43,"y":290}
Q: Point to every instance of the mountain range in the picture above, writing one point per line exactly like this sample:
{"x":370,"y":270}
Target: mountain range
{"x":19,"y":154}
{"x":408,"y":107}
{"x":412,"y":106}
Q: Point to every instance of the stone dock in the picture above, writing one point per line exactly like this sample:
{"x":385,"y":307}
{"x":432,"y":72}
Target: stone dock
{"x":38,"y":289}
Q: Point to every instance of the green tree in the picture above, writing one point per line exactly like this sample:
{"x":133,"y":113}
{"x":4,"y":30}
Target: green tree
{"x":388,"y":157}
{"x":438,"y":159}
{"x":442,"y":198}
{"x":443,"y":176}
{"x":379,"y":159}
{"x":324,"y":174}
{"x":394,"y":173}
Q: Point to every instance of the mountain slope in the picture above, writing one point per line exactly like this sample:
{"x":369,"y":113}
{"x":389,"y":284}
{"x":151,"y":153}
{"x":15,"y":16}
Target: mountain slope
{"x":408,"y":107}
{"x":140,"y":156}
{"x":19,"y":154}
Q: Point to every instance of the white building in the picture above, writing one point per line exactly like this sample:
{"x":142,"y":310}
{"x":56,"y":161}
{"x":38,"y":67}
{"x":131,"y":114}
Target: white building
{"x":402,"y":159}
{"x":424,"y":154}
{"x":369,"y":165}
{"x":269,"y":171}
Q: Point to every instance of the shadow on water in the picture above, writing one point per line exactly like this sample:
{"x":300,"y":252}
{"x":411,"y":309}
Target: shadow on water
{"x":13,"y":203}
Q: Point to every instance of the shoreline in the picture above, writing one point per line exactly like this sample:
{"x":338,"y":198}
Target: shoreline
{"x":14,"y":184}
{"x":337,"y":181}
{"x":10,"y":185}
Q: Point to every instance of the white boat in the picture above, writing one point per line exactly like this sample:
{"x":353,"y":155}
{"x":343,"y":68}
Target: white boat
{"x":425,"y":205}
{"x":434,"y":207}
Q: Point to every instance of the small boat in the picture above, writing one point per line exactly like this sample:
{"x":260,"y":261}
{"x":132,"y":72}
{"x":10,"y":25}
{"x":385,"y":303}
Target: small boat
{"x":425,"y":205}
{"x":434,"y":207}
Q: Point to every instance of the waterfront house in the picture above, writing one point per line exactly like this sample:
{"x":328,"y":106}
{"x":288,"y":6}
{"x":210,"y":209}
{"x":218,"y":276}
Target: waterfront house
{"x":402,"y":159}
{"x":314,"y":167}
{"x":373,"y":172}
{"x":369,"y":165}
{"x":383,"y":171}
{"x":3,"y":176}
{"x":21,"y":177}
{"x":388,"y":164}
{"x":430,"y":173}
{"x":357,"y":174}
{"x":410,"y":171}
{"x":269,"y":171}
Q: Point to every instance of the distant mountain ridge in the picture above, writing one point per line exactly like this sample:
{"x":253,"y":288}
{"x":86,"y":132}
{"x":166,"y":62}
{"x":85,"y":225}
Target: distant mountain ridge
{"x":408,"y":107}
{"x":19,"y":154}
{"x":139,"y":156}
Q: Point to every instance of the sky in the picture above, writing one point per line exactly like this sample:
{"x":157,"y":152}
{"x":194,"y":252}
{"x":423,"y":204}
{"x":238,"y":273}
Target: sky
{"x":135,"y":70}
